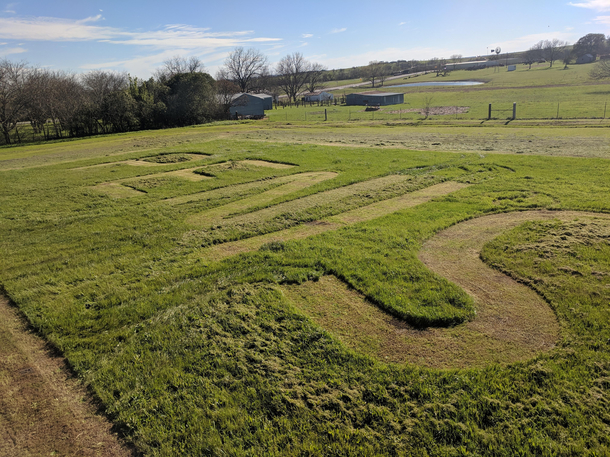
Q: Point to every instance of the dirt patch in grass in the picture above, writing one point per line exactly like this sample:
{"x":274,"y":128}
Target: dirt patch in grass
{"x":162,"y":159}
{"x":247,"y":164}
{"x":434,"y":110}
{"x":122,"y":187}
{"x":513,"y":323}
{"x":43,"y":409}
{"x":117,"y":190}
{"x":369,"y":212}
{"x":266,"y":164}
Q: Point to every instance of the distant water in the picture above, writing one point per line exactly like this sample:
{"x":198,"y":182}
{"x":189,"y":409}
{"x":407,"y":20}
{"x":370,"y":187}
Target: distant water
{"x":440,"y":83}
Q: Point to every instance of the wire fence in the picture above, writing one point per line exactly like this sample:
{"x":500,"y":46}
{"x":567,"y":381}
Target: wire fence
{"x":524,"y":110}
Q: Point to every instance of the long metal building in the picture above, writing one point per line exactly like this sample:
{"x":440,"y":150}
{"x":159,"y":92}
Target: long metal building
{"x":375,"y":99}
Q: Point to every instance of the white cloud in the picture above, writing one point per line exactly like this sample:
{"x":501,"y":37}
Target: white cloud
{"x":338,"y":30}
{"x":597,"y":5}
{"x":10,"y":8}
{"x":402,"y":23}
{"x":304,"y":43}
{"x":173,"y":36}
{"x":90,"y":19}
{"x":525,"y":42}
{"x":18,"y":50}
{"x":307,"y":35}
{"x":386,"y":55}
{"x":605,"y":20}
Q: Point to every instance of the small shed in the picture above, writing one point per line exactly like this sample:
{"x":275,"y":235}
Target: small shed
{"x":318,"y":96}
{"x":512,"y":67}
{"x":587,"y":58}
{"x":375,"y":99}
{"x":250,"y":105}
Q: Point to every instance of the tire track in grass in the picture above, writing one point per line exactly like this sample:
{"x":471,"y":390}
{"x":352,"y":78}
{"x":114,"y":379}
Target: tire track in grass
{"x":43,"y":410}
{"x":365,"y":213}
{"x":512,"y":323}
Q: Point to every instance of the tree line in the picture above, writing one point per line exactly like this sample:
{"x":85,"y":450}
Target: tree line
{"x":43,"y":104}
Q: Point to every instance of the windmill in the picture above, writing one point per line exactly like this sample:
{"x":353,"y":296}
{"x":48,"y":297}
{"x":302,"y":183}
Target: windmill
{"x":498,"y":50}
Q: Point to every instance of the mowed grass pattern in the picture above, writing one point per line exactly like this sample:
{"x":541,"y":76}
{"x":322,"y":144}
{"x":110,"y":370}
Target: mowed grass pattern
{"x":192,"y":356}
{"x":369,"y":212}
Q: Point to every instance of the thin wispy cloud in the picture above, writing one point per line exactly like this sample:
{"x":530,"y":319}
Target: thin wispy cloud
{"x":596,"y":5}
{"x":402,"y":23}
{"x":90,"y":19}
{"x":386,"y":55}
{"x":304,"y":43}
{"x":172,"y":36}
{"x":8,"y":51}
{"x":307,"y":35}
{"x":605,"y":20}
{"x":527,"y":41}
{"x":338,"y":30}
{"x":10,"y":8}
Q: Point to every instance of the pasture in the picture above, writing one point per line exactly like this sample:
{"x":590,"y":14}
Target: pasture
{"x":321,"y":289}
{"x":540,"y":93}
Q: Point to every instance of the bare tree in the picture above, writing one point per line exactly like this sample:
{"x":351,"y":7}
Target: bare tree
{"x":456,"y":58}
{"x":566,"y":56}
{"x":98,"y":86}
{"x":13,"y":99}
{"x":427,"y":106}
{"x":292,"y":73}
{"x":225,"y":91}
{"x":37,"y":90}
{"x":441,"y":65}
{"x":533,"y":54}
{"x":553,"y":49}
{"x":314,"y":78}
{"x":385,"y":70}
{"x":178,"y":65}
{"x":373,"y":71}
{"x":66,"y":98}
{"x":243,"y":66}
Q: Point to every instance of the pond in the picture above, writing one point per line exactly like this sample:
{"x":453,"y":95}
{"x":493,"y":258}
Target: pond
{"x":441,"y":83}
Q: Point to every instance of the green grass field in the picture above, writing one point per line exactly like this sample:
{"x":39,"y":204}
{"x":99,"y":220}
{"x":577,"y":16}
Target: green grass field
{"x":173,"y":270}
{"x":540,"y":93}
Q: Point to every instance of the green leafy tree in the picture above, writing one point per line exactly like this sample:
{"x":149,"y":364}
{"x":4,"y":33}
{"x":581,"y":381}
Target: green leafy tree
{"x":191,"y":99}
{"x":592,"y":43}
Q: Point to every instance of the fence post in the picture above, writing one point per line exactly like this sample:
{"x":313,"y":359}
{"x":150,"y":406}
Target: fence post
{"x":489,"y":113}
{"x":557,"y":110}
{"x":605,"y":106}
{"x":325,"y":116}
{"x":514,"y":110}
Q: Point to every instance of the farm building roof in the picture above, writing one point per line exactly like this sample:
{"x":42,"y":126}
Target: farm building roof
{"x":376,"y":92}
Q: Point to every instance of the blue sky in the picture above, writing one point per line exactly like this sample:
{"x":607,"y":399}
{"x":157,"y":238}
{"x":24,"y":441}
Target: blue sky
{"x":137,"y":36}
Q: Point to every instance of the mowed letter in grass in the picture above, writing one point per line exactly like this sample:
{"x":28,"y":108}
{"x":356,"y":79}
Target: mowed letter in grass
{"x":176,"y":302}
